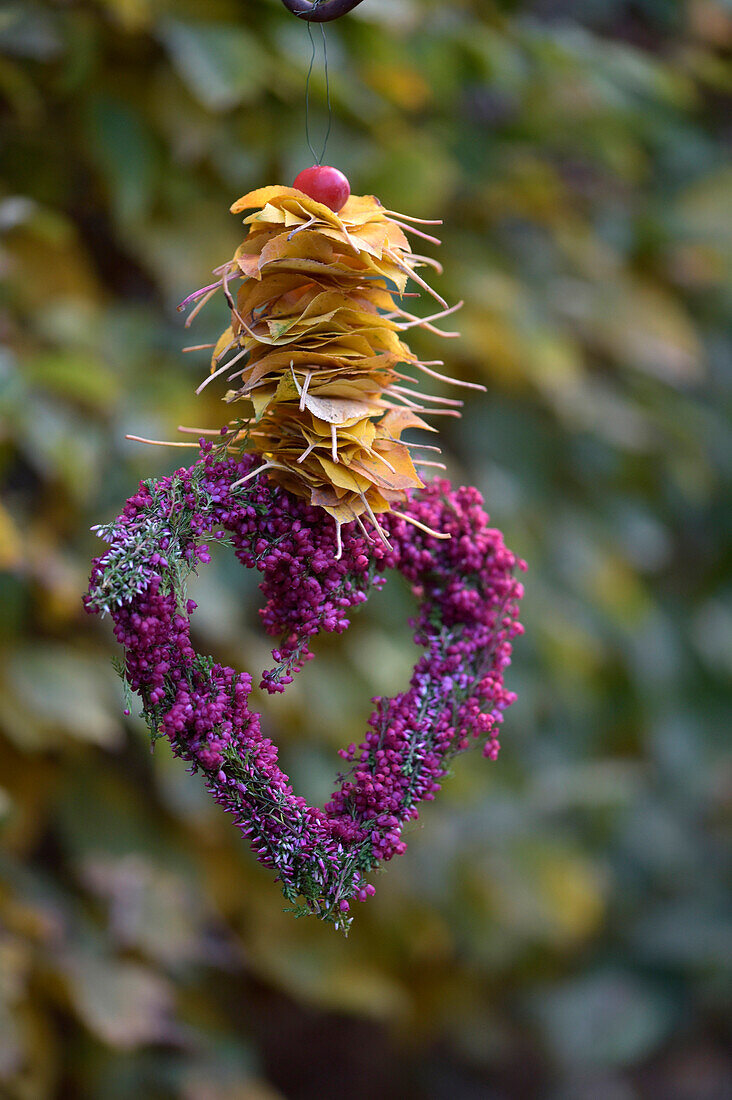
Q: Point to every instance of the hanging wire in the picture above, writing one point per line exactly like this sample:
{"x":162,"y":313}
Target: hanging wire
{"x":316,"y":158}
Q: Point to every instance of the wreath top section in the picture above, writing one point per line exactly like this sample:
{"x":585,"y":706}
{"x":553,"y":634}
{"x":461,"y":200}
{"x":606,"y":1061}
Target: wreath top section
{"x":315,"y":352}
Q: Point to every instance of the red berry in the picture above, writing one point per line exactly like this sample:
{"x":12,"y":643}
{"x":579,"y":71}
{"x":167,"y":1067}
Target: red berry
{"x":324,"y":184}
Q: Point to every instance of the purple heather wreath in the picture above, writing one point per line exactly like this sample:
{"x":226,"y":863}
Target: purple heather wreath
{"x":468,"y":602}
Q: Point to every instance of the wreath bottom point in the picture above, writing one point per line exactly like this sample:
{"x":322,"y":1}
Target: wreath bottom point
{"x":467,"y":594}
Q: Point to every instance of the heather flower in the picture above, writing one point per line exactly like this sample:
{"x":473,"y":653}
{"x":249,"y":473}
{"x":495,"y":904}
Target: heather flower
{"x":466,"y":621}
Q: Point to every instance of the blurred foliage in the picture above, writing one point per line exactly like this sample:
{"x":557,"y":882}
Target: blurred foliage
{"x":557,"y":928}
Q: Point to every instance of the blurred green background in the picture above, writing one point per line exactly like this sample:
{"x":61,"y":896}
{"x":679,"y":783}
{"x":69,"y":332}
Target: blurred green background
{"x":557,"y":928}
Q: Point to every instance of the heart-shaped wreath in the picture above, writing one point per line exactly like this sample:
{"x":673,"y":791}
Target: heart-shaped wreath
{"x":467,"y":605}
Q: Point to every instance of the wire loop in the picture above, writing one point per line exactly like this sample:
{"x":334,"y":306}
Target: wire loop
{"x":318,"y":159}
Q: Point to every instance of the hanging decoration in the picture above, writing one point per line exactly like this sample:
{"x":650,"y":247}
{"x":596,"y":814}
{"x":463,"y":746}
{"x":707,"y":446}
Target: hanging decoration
{"x":315,"y":345}
{"x":313,"y":484}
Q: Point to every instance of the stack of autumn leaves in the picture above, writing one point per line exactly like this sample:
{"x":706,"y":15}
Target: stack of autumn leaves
{"x":315,"y":348}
